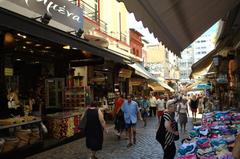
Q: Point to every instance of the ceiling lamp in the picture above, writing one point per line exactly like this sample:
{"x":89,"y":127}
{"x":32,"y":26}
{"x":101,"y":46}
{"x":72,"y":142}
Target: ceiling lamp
{"x":67,"y":47}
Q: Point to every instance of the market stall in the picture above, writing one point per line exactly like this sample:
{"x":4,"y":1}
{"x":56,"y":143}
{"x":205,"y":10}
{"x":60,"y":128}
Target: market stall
{"x":19,"y":133}
{"x":214,"y":138}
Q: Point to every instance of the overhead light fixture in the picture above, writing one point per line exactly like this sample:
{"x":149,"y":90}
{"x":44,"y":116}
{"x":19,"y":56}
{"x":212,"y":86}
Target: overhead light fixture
{"x":67,"y":47}
{"x":37,"y":45}
{"x":28,"y":42}
{"x":21,"y":35}
{"x":8,"y":38}
{"x":77,"y":33}
{"x":24,"y":47}
{"x":18,"y":59}
{"x":45,"y":19}
{"x":48,"y":47}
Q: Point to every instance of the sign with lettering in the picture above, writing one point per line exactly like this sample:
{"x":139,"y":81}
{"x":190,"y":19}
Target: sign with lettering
{"x":62,"y":11}
{"x":8,"y":71}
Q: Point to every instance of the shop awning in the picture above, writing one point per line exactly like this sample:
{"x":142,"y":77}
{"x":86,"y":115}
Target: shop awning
{"x":156,"y":87}
{"x":159,"y":86}
{"x":31,"y":27}
{"x":177,"y":23}
{"x":141,"y":71}
{"x":206,"y":61}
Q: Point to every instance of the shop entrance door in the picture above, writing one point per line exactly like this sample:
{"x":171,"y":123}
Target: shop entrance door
{"x":54,"y":92}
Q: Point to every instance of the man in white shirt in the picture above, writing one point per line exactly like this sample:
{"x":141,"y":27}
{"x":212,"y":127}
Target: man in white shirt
{"x":153,"y":105}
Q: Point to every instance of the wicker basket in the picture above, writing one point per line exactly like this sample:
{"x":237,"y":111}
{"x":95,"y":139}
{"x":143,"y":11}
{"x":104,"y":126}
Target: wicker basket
{"x":34,"y":136}
{"x":23,"y":136}
{"x":10,"y":144}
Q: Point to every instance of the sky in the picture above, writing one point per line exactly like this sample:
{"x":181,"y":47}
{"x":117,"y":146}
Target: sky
{"x":133,"y":23}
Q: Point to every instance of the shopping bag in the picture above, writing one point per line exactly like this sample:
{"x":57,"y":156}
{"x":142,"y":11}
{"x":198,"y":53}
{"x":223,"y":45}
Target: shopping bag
{"x":44,"y":128}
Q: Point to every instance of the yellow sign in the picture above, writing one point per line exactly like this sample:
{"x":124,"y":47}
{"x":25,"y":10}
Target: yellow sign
{"x":8,"y":71}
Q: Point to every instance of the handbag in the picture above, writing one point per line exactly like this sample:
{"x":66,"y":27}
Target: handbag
{"x":175,"y":127}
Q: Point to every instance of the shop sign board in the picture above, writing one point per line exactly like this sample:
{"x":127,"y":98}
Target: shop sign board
{"x":62,"y":11}
{"x":8,"y":71}
{"x":125,"y":73}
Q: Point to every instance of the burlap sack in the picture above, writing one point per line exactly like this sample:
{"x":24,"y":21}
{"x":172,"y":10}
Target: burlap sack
{"x":236,"y":148}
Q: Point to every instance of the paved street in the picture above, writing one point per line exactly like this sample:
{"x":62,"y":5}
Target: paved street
{"x":146,"y":148}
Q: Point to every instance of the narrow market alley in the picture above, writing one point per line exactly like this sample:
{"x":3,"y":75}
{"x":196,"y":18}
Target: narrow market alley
{"x":146,"y":148}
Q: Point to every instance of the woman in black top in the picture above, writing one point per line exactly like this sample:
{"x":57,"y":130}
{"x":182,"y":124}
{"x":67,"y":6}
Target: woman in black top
{"x":194,"y":106}
{"x":94,"y":129}
{"x":166,"y":131}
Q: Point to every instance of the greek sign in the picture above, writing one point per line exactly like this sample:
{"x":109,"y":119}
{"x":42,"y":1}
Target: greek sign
{"x":62,"y":11}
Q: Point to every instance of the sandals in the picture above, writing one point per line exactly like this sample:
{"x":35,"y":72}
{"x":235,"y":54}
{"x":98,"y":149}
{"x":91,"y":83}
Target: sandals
{"x":129,"y":145}
{"x":134,"y":141}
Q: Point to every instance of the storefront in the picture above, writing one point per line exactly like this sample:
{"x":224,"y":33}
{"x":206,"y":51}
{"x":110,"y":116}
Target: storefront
{"x":43,"y":74}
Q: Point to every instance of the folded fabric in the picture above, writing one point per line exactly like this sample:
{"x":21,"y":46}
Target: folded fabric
{"x":203,"y":131}
{"x":229,"y":138}
{"x":210,"y":156}
{"x":189,"y":156}
{"x":224,"y":154}
{"x":187,"y":148}
{"x":203,"y":143}
{"x":205,"y":152}
{"x":218,"y":142}
{"x":193,"y":133}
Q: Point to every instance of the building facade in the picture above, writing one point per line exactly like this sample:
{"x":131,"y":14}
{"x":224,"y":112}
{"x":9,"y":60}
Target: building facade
{"x":193,"y":53}
{"x":185,"y":64}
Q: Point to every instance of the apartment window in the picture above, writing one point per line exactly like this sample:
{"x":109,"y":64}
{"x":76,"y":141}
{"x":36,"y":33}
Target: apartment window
{"x":202,"y":41}
{"x":204,"y":52}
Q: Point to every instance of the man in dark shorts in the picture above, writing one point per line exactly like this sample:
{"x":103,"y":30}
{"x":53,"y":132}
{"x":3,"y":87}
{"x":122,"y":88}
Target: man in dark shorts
{"x":131,"y":110}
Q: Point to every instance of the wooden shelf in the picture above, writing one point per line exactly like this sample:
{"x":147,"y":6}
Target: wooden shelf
{"x":20,"y":124}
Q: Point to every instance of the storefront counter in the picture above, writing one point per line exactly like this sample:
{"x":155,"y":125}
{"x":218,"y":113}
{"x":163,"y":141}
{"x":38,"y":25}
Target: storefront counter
{"x":63,"y":124}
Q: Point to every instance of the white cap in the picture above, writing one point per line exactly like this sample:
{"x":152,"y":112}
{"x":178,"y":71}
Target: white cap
{"x":169,"y":102}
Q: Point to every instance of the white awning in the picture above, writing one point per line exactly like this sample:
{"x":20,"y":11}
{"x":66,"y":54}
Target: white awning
{"x":177,"y":23}
{"x":166,"y":86}
{"x":141,"y":71}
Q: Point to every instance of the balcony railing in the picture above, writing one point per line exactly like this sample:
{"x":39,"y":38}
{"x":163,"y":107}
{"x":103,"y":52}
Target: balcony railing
{"x":92,"y":14}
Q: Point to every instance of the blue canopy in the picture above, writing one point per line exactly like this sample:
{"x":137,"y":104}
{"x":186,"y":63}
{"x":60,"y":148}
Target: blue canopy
{"x":202,"y":86}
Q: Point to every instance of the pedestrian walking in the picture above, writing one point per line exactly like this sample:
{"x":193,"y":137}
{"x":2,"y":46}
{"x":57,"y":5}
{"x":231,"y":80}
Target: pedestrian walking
{"x":95,"y":124}
{"x":182,"y":113}
{"x":118,"y":115}
{"x":144,"y":109}
{"x":153,"y":105}
{"x":194,"y":106}
{"x":131,"y":111}
{"x":167,"y":131}
{"x":160,"y":107}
